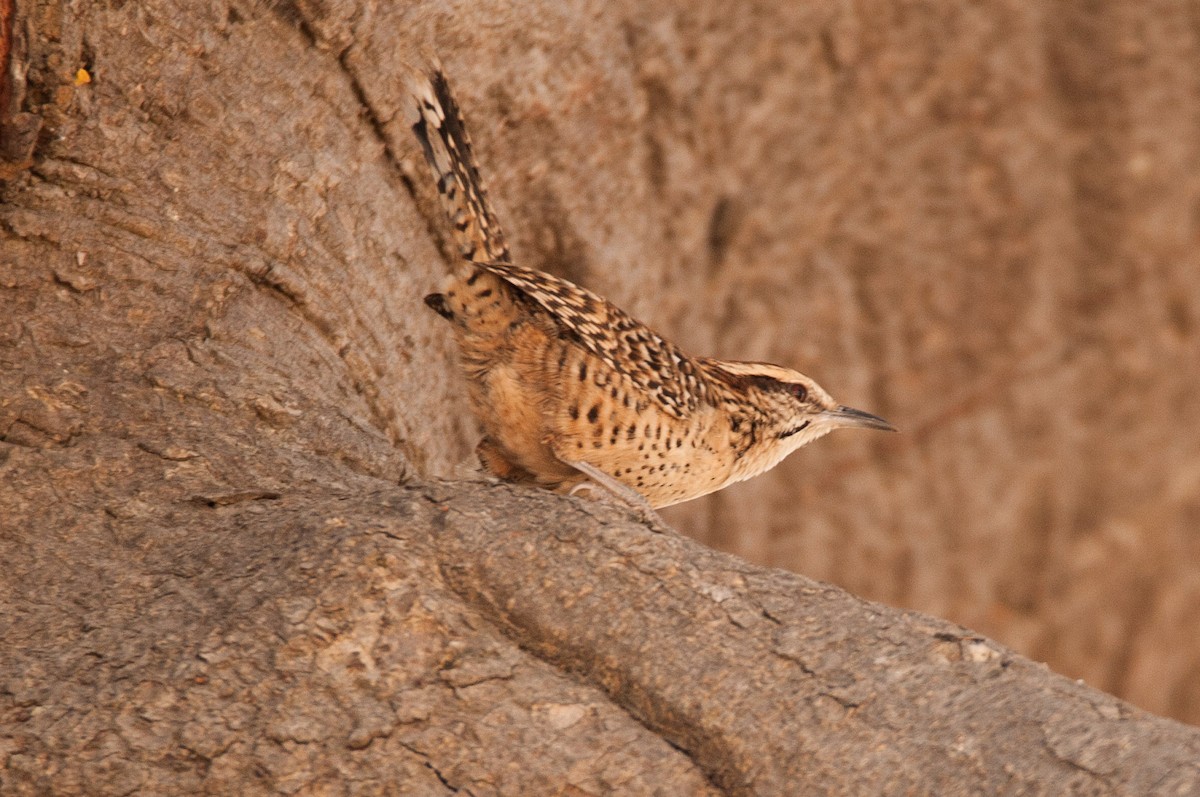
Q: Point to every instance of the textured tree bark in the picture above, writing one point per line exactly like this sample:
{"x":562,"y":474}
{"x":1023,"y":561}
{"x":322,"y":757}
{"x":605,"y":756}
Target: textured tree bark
{"x":226,"y":568}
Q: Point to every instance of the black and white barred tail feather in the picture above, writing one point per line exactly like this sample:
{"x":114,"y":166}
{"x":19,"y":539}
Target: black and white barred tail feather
{"x":447,"y":146}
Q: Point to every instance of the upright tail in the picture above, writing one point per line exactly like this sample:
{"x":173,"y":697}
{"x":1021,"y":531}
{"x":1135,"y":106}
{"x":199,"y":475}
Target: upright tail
{"x":443,"y":136}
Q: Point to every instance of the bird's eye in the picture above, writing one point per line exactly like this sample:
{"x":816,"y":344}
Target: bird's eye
{"x":799,"y":391}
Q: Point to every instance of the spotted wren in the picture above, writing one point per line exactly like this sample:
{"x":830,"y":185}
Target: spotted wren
{"x":569,"y":389}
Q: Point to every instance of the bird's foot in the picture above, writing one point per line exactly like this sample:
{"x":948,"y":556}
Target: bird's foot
{"x":623,"y":492}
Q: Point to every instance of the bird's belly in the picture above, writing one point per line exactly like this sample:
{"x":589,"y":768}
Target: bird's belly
{"x":608,"y":422}
{"x":677,"y":468}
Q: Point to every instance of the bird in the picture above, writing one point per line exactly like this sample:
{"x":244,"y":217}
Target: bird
{"x":570,"y":391}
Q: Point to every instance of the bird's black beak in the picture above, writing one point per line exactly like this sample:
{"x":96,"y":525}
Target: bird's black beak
{"x":848,"y":416}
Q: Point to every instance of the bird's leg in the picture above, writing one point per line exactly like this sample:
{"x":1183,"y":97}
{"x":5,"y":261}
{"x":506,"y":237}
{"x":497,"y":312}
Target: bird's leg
{"x":623,"y":492}
{"x":496,"y":463}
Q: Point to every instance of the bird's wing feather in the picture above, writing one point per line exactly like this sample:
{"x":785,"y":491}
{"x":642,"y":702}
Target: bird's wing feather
{"x":657,"y":366}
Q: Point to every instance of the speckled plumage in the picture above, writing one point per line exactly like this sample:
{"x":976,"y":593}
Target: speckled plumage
{"x":561,"y":379}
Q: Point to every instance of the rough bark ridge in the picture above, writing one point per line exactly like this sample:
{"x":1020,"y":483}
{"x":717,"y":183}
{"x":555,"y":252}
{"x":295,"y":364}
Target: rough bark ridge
{"x":222,"y":571}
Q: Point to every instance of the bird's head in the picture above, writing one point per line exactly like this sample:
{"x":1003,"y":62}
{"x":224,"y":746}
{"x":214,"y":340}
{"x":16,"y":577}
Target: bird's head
{"x":788,"y":409}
